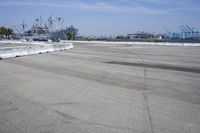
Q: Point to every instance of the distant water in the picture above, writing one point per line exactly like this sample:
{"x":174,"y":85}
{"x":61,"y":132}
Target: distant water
{"x":164,"y":40}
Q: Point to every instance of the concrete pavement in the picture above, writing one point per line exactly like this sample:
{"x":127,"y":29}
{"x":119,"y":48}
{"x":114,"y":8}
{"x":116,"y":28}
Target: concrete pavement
{"x":148,"y":89}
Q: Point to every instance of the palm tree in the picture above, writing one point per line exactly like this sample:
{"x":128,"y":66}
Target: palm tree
{"x":2,"y":31}
{"x":9,"y":32}
{"x":69,"y":36}
{"x":5,"y":32}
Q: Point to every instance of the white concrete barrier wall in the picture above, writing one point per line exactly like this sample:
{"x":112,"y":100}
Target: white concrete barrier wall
{"x":138,"y":43}
{"x":32,"y":48}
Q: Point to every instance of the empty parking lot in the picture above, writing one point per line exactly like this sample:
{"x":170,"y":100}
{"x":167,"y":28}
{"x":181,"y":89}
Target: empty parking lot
{"x":100,"y":88}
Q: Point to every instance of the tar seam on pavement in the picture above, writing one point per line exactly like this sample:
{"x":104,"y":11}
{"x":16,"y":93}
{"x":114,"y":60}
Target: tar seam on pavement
{"x":158,"y":66}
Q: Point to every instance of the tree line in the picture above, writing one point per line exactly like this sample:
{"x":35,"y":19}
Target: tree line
{"x":5,"y":32}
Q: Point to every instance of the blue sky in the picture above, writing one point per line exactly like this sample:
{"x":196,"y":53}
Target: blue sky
{"x":106,"y":17}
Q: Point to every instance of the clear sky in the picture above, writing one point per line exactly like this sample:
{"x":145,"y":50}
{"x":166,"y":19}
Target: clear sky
{"x":106,"y":17}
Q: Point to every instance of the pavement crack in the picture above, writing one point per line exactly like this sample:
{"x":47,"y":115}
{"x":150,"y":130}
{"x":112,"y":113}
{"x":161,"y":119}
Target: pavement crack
{"x":65,"y":103}
{"x":148,"y":111}
{"x":66,"y":116}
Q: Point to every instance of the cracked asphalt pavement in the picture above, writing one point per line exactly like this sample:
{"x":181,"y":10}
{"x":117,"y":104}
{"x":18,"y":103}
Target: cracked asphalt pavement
{"x":100,"y":88}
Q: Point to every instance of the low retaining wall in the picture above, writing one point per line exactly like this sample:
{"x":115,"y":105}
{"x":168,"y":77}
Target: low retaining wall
{"x":138,"y":43}
{"x":32,"y":48}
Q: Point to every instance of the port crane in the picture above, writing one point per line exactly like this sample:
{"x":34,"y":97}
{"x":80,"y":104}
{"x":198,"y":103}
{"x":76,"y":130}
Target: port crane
{"x":188,"y":32}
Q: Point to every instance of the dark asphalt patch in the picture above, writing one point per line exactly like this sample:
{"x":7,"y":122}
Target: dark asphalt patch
{"x":158,"y":66}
